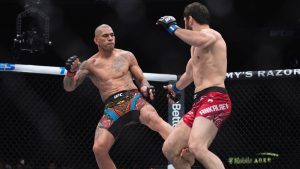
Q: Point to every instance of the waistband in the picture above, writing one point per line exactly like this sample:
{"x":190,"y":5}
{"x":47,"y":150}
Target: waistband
{"x":120,"y":95}
{"x":197,"y":95}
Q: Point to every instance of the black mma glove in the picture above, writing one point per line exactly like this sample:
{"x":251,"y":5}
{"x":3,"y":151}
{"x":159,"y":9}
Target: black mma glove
{"x":152,"y":88}
{"x":173,"y":94}
{"x":68,"y":66}
{"x":70,"y":61}
{"x":177,"y":92}
{"x":148,"y":91}
{"x":169,"y":23}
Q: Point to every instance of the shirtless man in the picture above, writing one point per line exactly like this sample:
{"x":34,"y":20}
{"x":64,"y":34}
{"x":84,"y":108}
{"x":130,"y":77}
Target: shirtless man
{"x":212,"y":106}
{"x":112,"y":70}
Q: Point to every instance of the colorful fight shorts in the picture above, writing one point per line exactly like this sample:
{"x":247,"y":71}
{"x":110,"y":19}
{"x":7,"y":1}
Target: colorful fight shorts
{"x":121,"y":109}
{"x":212,"y":103}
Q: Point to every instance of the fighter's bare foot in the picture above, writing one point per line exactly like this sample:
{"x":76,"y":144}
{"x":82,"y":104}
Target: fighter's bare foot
{"x":188,"y":156}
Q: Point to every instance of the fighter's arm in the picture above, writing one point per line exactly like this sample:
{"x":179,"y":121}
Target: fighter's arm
{"x":186,"y":78}
{"x":139,"y":77}
{"x":174,"y":89}
{"x":137,"y":72}
{"x":71,"y":82}
{"x":201,"y":38}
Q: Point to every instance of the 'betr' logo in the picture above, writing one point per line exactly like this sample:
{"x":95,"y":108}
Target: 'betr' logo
{"x":7,"y":66}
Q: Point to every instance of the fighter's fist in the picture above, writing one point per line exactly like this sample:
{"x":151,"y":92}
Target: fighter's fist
{"x":148,"y":91}
{"x":169,"y":23}
{"x":173,"y":94}
{"x":72,"y":64}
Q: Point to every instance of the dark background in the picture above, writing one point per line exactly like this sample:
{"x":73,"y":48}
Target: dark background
{"x":259,"y":34}
{"x":41,"y":122}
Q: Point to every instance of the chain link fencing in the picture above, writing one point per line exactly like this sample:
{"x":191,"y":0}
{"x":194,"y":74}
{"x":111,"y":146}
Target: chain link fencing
{"x":41,"y":123}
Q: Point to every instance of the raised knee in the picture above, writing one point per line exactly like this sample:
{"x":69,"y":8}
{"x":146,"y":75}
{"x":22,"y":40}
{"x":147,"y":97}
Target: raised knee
{"x":168,"y":151}
{"x":153,"y":122}
{"x":165,"y":149}
{"x":154,"y":119}
{"x":99,"y":149}
{"x":198,"y":150}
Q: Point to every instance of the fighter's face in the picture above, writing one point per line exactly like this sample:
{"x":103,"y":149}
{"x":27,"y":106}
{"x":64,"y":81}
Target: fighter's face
{"x":105,"y":39}
{"x":187,"y":23}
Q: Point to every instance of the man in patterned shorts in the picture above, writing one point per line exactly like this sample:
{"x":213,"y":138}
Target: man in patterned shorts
{"x":112,"y":70}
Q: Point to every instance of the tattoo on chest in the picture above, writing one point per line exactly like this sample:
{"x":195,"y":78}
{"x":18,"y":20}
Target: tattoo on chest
{"x":118,"y":63}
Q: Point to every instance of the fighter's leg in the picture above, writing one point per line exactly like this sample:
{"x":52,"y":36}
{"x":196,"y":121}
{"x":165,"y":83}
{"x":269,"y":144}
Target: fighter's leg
{"x":188,"y":156}
{"x":202,"y":134}
{"x":175,"y":143}
{"x":150,"y":118}
{"x":102,"y":143}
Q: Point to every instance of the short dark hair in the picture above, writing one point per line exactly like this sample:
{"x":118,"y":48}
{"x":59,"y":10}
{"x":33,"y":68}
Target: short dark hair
{"x":198,"y":11}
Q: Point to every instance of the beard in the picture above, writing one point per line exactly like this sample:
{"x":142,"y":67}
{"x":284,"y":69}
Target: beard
{"x":107,"y":47}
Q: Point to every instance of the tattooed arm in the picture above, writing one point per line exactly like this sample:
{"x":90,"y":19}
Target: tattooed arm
{"x":72,"y":82}
{"x":140,"y":79}
{"x":137,"y":72}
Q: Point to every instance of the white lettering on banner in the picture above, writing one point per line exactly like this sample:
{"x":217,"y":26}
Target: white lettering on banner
{"x":214,"y":108}
{"x":248,"y":74}
{"x":263,"y":73}
{"x":232,"y":75}
{"x":229,"y":75}
{"x":270,"y":73}
{"x":278,"y":72}
{"x":238,"y":74}
{"x":175,"y":114}
{"x":287,"y":72}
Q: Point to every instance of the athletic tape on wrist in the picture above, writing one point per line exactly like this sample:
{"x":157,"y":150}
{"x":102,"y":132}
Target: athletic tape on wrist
{"x":71,"y":74}
{"x":175,"y":89}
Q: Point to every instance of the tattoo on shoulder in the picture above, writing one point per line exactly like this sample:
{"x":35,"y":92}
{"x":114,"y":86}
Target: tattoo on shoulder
{"x":83,"y":64}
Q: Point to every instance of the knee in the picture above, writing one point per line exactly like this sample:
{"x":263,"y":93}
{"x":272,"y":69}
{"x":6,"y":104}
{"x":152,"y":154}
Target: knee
{"x":165,"y":149}
{"x":168,"y":150}
{"x":198,"y":150}
{"x":153,"y":121}
{"x":99,"y":149}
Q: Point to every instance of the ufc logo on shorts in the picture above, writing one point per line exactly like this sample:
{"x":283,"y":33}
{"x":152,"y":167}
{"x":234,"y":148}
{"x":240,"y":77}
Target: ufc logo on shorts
{"x":118,"y":95}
